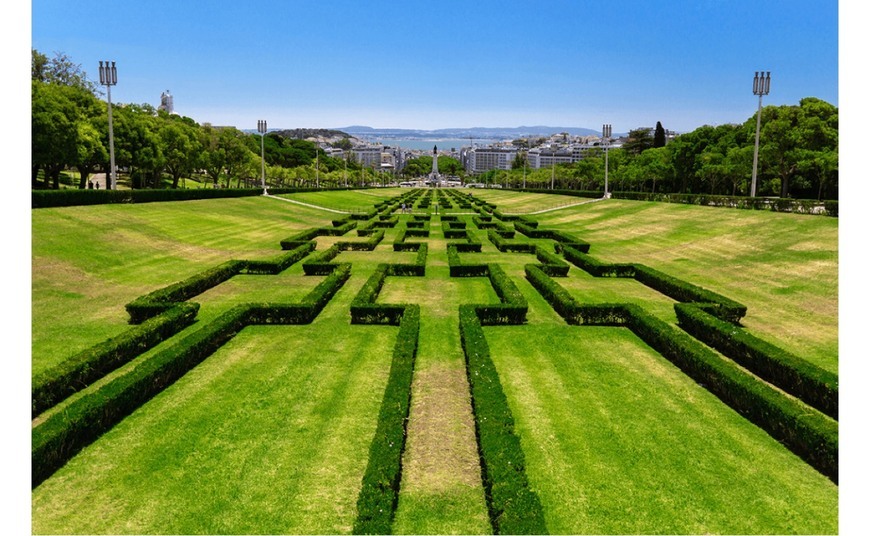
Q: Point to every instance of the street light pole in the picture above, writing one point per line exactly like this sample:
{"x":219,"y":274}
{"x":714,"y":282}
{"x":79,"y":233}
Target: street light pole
{"x":760,"y":87}
{"x":606,"y":133}
{"x":108,"y":78}
{"x":261,"y":128}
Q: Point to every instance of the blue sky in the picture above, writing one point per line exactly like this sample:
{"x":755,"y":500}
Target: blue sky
{"x":453,"y":64}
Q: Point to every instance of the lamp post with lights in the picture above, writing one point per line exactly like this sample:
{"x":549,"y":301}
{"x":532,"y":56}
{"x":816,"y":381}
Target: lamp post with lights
{"x":261,"y":128}
{"x":108,"y":78}
{"x":760,"y":87}
{"x":606,"y":133}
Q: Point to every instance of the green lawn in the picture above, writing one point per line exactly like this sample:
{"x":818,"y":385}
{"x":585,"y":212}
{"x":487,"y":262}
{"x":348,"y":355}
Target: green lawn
{"x":271,"y":433}
{"x":619,"y":441}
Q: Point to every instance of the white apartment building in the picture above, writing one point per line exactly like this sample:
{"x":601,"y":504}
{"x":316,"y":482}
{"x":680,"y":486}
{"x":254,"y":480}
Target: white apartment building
{"x":480,"y":159}
{"x":368,"y":155}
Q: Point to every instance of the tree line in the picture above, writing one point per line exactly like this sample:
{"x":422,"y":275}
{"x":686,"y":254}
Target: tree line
{"x":798,"y":155}
{"x":155,"y":149}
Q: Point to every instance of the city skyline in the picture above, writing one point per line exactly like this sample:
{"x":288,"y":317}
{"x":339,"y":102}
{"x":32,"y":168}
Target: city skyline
{"x":449,"y":64}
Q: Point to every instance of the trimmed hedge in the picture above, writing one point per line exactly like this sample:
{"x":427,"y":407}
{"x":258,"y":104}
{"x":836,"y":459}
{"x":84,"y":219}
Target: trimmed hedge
{"x":497,"y":238}
{"x":513,"y":507}
{"x":364,"y":310}
{"x":457,"y":269}
{"x":321,"y":264}
{"x":670,"y":286}
{"x":815,"y":386}
{"x":726,"y":309}
{"x":63,"y":434}
{"x":73,"y":197}
{"x":278,"y":264}
{"x":156,"y":302}
{"x":368,"y":245}
{"x":551,"y":263}
{"x":805,"y":431}
{"x":594,"y":267}
{"x":379,"y":493}
{"x":88,"y":366}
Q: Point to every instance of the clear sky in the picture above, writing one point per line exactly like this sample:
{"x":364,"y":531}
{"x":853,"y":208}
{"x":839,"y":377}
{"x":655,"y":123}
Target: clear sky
{"x":450,"y":63}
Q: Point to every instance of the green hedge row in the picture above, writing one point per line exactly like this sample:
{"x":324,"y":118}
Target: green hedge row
{"x":682,"y":291}
{"x":726,"y":309}
{"x":513,"y":307}
{"x":504,"y":245}
{"x":310,"y":234}
{"x":457,"y":269}
{"x":365,"y":310}
{"x":805,"y":431}
{"x":73,"y":197}
{"x":279,"y":263}
{"x":321,"y":264}
{"x":797,"y":206}
{"x":81,"y":370}
{"x":63,"y":434}
{"x":154,"y":303}
{"x":551,"y":263}
{"x":367,"y":245}
{"x":513,"y":507}
{"x":594,"y":267}
{"x":815,"y":386}
{"x":379,"y":495}
{"x":417,"y":268}
{"x":562,"y":239}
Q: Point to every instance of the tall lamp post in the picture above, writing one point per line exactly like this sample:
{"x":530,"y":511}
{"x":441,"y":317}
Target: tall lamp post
{"x":108,"y":78}
{"x":760,"y":87}
{"x":606,"y":133}
{"x":261,"y":128}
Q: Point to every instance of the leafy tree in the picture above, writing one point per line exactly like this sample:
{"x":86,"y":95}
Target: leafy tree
{"x":180,"y":145}
{"x":59,"y":70}
{"x":54,"y":131}
{"x":639,"y":140}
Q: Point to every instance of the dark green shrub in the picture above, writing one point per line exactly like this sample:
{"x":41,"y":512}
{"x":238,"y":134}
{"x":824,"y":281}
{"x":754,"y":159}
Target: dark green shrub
{"x":321,"y":264}
{"x":156,"y":302}
{"x":498,"y":240}
{"x":514,"y":508}
{"x":379,"y":493}
{"x":81,"y":370}
{"x":813,"y":385}
{"x":594,"y":267}
{"x":682,"y":291}
{"x":457,"y":269}
{"x":278,"y":264}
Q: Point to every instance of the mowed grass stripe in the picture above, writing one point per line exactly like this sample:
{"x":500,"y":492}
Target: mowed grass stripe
{"x":441,"y":490}
{"x":783,"y":267}
{"x":268,"y":435}
{"x":617,"y":440}
{"x":87,"y":262}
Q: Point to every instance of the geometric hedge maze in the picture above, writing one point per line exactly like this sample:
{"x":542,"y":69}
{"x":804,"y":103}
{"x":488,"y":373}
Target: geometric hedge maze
{"x":792,"y":400}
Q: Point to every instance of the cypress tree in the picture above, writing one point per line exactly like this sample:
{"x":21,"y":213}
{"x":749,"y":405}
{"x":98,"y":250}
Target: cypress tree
{"x":659,"y":136}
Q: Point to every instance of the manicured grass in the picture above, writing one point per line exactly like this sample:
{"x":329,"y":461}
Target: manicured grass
{"x":441,"y":489}
{"x":87,"y":262}
{"x":783,"y":267}
{"x":618,"y":440}
{"x":271,"y":433}
{"x":510,"y":202}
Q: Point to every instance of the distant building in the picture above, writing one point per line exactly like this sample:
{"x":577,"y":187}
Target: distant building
{"x":545,"y":158}
{"x":368,"y":155}
{"x":480,"y":159}
{"x":166,"y":103}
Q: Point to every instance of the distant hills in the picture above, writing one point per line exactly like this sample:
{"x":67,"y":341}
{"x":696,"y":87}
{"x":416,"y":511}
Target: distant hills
{"x":507,"y":133}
